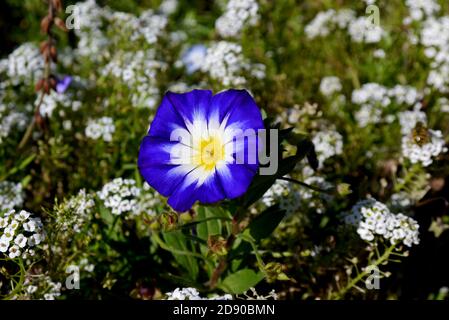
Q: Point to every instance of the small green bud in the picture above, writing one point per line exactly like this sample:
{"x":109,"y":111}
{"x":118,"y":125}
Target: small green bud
{"x":344,"y":189}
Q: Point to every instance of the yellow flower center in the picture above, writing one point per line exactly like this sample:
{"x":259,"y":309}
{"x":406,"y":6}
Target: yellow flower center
{"x":211,"y":150}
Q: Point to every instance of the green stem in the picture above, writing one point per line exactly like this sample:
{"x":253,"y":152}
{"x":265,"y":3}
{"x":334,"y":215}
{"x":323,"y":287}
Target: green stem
{"x":341,"y":293}
{"x":330,"y":191}
{"x":256,"y":252}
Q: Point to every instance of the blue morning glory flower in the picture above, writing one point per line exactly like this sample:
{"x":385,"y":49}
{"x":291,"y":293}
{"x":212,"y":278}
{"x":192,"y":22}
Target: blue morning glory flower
{"x":63,"y":84}
{"x":193,"y":58}
{"x":193,"y":150}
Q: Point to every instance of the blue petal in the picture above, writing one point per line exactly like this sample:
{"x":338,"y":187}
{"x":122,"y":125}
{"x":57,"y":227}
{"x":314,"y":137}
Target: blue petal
{"x":235,"y":179}
{"x":154,"y":150}
{"x":184,"y":196}
{"x":189,"y":105}
{"x":211,"y":190}
{"x":154,"y":163}
{"x":164,"y":178}
{"x":188,"y":192}
{"x":239,"y":106}
{"x":166,"y":120}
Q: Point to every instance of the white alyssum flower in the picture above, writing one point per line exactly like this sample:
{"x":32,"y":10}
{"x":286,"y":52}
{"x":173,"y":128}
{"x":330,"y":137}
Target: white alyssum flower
{"x":374,"y":99}
{"x":167,"y":7}
{"x":120,"y":195}
{"x":408,"y":120}
{"x":225,"y":62}
{"x":11,"y":195}
{"x":24,"y":65}
{"x":102,"y":128}
{"x":20,"y":232}
{"x":420,"y":9}
{"x":11,"y":120}
{"x":137,"y":70}
{"x":192,"y":294}
{"x":379,"y":53}
{"x":124,"y":197}
{"x":321,"y":25}
{"x":327,"y":144}
{"x":313,"y":199}
{"x":434,"y":36}
{"x":238,"y":14}
{"x":282,"y":192}
{"x":444,"y":105}
{"x":90,"y":19}
{"x":39,"y":287}
{"x":426,"y":152}
{"x":74,"y":213}
{"x":373,"y":219}
{"x":363,"y":29}
{"x":330,"y":85}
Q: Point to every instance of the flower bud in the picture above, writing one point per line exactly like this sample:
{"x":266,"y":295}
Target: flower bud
{"x":60,"y":24}
{"x":217,"y":245}
{"x":46,"y":24}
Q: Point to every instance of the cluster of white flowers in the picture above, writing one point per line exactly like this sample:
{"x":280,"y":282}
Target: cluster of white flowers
{"x":375,"y":93}
{"x":360,"y":29}
{"x":148,"y":26}
{"x":11,"y":195}
{"x":409,"y":118}
{"x":401,"y":201}
{"x":10,"y":118}
{"x":363,"y":29}
{"x":94,"y":22}
{"x":23,"y":65}
{"x":139,"y":71}
{"x":20,"y":233}
{"x":374,"y":98}
{"x":168,"y":7}
{"x":373,"y":218}
{"x":192,"y":294}
{"x":147,"y":201}
{"x":238,"y":14}
{"x":73,"y":213}
{"x":327,"y":143}
{"x":435,"y":37}
{"x":282,"y":192}
{"x":40,"y":286}
{"x":443,"y":104}
{"x":101,"y":128}
{"x":326,"y":21}
{"x":224,"y":61}
{"x":90,"y":18}
{"x":423,"y":153}
{"x":330,"y":85}
{"x":121,"y":196}
{"x":419,"y":9}
{"x":314,"y":199}
{"x":10,"y":121}
{"x":86,"y":266}
{"x":51,"y":101}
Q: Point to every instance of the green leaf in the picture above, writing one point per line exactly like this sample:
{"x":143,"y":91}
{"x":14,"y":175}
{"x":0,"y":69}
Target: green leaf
{"x":210,"y":226}
{"x":265,"y":223}
{"x":178,"y":241}
{"x":241,"y":281}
